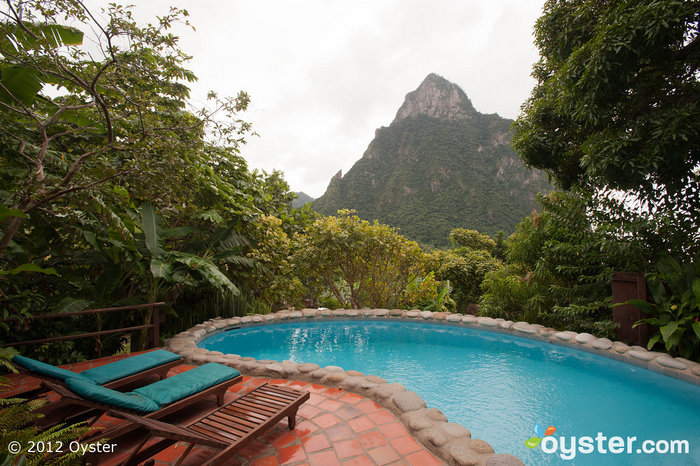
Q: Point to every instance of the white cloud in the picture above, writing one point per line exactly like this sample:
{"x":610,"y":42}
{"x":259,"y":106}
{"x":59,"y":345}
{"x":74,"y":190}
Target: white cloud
{"x":324,"y":74}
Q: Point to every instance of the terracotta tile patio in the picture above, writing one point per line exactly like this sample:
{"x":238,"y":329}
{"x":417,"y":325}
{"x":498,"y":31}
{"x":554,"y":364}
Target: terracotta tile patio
{"x":334,"y":427}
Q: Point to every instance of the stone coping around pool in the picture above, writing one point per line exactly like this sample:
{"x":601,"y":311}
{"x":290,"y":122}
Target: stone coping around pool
{"x":449,"y":441}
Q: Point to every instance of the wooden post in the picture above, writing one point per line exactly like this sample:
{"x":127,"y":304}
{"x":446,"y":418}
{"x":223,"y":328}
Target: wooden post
{"x":626,"y":286}
{"x":155,"y":316}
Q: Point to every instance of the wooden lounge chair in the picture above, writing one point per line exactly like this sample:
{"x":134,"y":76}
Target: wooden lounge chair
{"x":113,"y":375}
{"x":227,"y":428}
{"x":153,"y":401}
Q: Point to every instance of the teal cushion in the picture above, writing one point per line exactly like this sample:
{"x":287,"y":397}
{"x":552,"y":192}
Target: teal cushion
{"x":45,"y":369}
{"x":90,"y":391}
{"x":129,"y":366}
{"x":187,"y":383}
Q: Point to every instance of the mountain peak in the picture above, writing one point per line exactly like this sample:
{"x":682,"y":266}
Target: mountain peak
{"x":436,"y":97}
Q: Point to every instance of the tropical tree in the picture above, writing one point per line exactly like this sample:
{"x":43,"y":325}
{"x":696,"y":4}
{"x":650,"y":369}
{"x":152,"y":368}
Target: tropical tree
{"x":72,"y":117}
{"x":616,"y":107}
{"x":561,"y":266}
{"x":359,"y":263}
{"x":465,"y":269}
{"x":472,"y":239}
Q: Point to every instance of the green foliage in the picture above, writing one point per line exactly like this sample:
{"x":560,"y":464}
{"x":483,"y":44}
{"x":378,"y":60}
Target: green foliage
{"x":114,"y":190}
{"x":427,"y":294}
{"x":273,"y":280}
{"x":17,"y":424}
{"x":472,"y":239}
{"x":465,"y":269}
{"x":359,"y":263}
{"x":561,"y":269}
{"x":675,"y":310}
{"x":426,"y":175}
{"x":616,"y":108}
{"x":508,"y":293}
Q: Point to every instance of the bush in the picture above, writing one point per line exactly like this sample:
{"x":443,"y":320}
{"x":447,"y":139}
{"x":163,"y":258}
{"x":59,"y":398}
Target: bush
{"x":561,"y":269}
{"x":465,"y":269}
{"x":358,"y":263}
{"x":675,"y":310}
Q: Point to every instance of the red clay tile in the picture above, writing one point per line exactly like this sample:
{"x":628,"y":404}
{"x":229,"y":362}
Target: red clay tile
{"x":393,"y":430}
{"x":348,"y":448}
{"x":266,"y":461}
{"x":383,"y":455}
{"x":334,"y":392}
{"x":314,"y":443}
{"x":347,"y":412}
{"x":326,"y":420}
{"x":352,"y":398}
{"x":326,"y":458}
{"x":401,"y":462}
{"x":406,"y":444}
{"x":330,"y":405}
{"x":316,"y":388}
{"x":299,"y":385}
{"x":291,"y":454}
{"x":339,"y":432}
{"x":368,"y":406}
{"x":305,"y":428}
{"x":253,"y":449}
{"x":372,"y":439}
{"x":198,"y":456}
{"x":361,"y":424}
{"x":423,"y":458}
{"x":360,"y":461}
{"x":278,"y":381}
{"x":171,"y":454}
{"x":308,"y":411}
{"x":279,"y":438}
{"x":382,"y":417}
{"x":315,"y":399}
{"x":256,"y":382}
{"x":237,"y":388}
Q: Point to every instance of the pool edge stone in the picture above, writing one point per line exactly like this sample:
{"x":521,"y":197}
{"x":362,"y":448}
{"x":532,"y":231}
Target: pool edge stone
{"x":456,"y":450}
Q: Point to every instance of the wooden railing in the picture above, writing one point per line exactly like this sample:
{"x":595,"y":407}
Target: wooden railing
{"x":155,"y":324}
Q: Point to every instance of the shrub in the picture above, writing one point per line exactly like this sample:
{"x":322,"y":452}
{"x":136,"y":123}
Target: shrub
{"x":675,"y":310}
{"x":465,"y":269}
{"x":359,"y":263}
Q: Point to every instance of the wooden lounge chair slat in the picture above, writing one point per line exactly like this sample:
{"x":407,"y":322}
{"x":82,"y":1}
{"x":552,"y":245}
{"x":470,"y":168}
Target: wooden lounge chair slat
{"x":216,"y":423}
{"x":223,"y":430}
{"x":255,"y":400}
{"x":281,"y":391}
{"x":211,"y":434}
{"x":256,"y":407}
{"x":229,"y":425}
{"x":268,"y":398}
{"x":245,"y":411}
{"x":229,"y":417}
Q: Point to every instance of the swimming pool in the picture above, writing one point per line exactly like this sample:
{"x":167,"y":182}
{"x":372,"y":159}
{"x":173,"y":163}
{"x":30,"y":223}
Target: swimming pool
{"x":497,"y":385}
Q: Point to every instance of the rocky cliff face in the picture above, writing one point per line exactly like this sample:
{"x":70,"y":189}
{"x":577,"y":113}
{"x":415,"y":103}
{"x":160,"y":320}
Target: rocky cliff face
{"x":439,"y":165}
{"x":436,"y":98}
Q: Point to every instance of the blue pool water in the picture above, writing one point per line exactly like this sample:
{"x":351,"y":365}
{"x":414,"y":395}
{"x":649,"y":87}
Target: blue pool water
{"x":497,"y":385}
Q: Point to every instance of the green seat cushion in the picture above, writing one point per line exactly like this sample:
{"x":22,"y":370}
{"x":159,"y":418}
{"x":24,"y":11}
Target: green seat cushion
{"x":129,"y":366}
{"x":46,"y":370}
{"x":187,"y":383}
{"x":93,"y":392}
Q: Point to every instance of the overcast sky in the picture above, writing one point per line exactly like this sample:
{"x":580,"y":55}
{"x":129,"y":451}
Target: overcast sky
{"x":324,"y":74}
